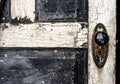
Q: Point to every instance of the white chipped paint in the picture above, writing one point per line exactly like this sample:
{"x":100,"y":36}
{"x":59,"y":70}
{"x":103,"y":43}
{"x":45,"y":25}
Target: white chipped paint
{"x":22,"y":9}
{"x":102,"y":11}
{"x":40,"y":34}
{"x":43,"y":35}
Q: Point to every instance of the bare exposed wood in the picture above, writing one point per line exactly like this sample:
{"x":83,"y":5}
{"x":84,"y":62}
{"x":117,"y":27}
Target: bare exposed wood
{"x":43,"y":35}
{"x":23,"y":9}
{"x":102,"y":11}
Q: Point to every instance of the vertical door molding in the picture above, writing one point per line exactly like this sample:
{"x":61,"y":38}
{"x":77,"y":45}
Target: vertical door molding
{"x":102,"y":11}
{"x":23,"y":9}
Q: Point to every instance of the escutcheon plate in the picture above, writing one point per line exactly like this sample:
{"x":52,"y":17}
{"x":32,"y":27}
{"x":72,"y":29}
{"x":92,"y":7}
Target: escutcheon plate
{"x":100,"y":44}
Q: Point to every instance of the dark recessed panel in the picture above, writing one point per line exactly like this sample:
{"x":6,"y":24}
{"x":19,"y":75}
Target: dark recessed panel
{"x":52,"y":11}
{"x":61,"y":10}
{"x":4,"y":11}
{"x":43,"y":66}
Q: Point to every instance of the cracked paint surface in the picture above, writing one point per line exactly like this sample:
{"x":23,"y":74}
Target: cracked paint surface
{"x":102,"y":11}
{"x":44,"y":35}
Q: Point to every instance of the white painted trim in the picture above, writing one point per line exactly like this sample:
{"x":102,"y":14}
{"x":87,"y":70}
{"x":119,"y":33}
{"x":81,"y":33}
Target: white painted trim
{"x":22,"y":9}
{"x":43,"y":35}
{"x":102,"y":11}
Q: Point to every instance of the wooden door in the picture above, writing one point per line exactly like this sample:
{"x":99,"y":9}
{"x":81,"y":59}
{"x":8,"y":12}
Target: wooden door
{"x":103,"y":11}
{"x":51,"y":41}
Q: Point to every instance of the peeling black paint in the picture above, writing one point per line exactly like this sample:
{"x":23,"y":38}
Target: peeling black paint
{"x":24,"y":20}
{"x":4,"y":11}
{"x":85,"y":45}
{"x":62,"y":10}
{"x":118,"y":46}
{"x":3,"y":27}
{"x":49,"y":11}
{"x":83,"y":25}
{"x":43,"y":66}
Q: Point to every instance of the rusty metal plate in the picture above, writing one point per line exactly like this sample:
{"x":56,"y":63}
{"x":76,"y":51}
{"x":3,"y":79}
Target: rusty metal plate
{"x":100,"y":45}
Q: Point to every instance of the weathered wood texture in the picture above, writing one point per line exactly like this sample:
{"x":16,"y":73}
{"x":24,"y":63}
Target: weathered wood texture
{"x":39,"y":34}
{"x":44,"y":35}
{"x":102,"y":11}
{"x":23,"y":9}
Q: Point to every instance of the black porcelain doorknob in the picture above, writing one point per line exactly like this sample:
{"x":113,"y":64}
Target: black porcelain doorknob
{"x":101,"y":38}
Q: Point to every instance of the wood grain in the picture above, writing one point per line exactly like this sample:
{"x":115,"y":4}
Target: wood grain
{"x":23,"y":9}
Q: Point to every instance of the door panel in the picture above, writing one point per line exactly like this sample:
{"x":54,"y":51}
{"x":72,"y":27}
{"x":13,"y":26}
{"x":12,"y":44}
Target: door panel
{"x":58,"y":27}
{"x":43,"y":65}
{"x":72,"y":35}
{"x":61,"y":10}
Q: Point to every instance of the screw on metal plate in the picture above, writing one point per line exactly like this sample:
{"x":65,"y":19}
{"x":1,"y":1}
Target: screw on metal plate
{"x":100,"y":44}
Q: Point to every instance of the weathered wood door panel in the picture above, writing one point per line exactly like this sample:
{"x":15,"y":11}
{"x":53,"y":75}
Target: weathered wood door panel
{"x":56,"y":53}
{"x":43,"y":66}
{"x":59,"y":24}
{"x":61,"y":10}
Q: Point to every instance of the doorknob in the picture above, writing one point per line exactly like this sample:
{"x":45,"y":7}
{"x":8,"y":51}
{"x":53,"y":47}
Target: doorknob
{"x":100,"y":44}
{"x":101,"y":38}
